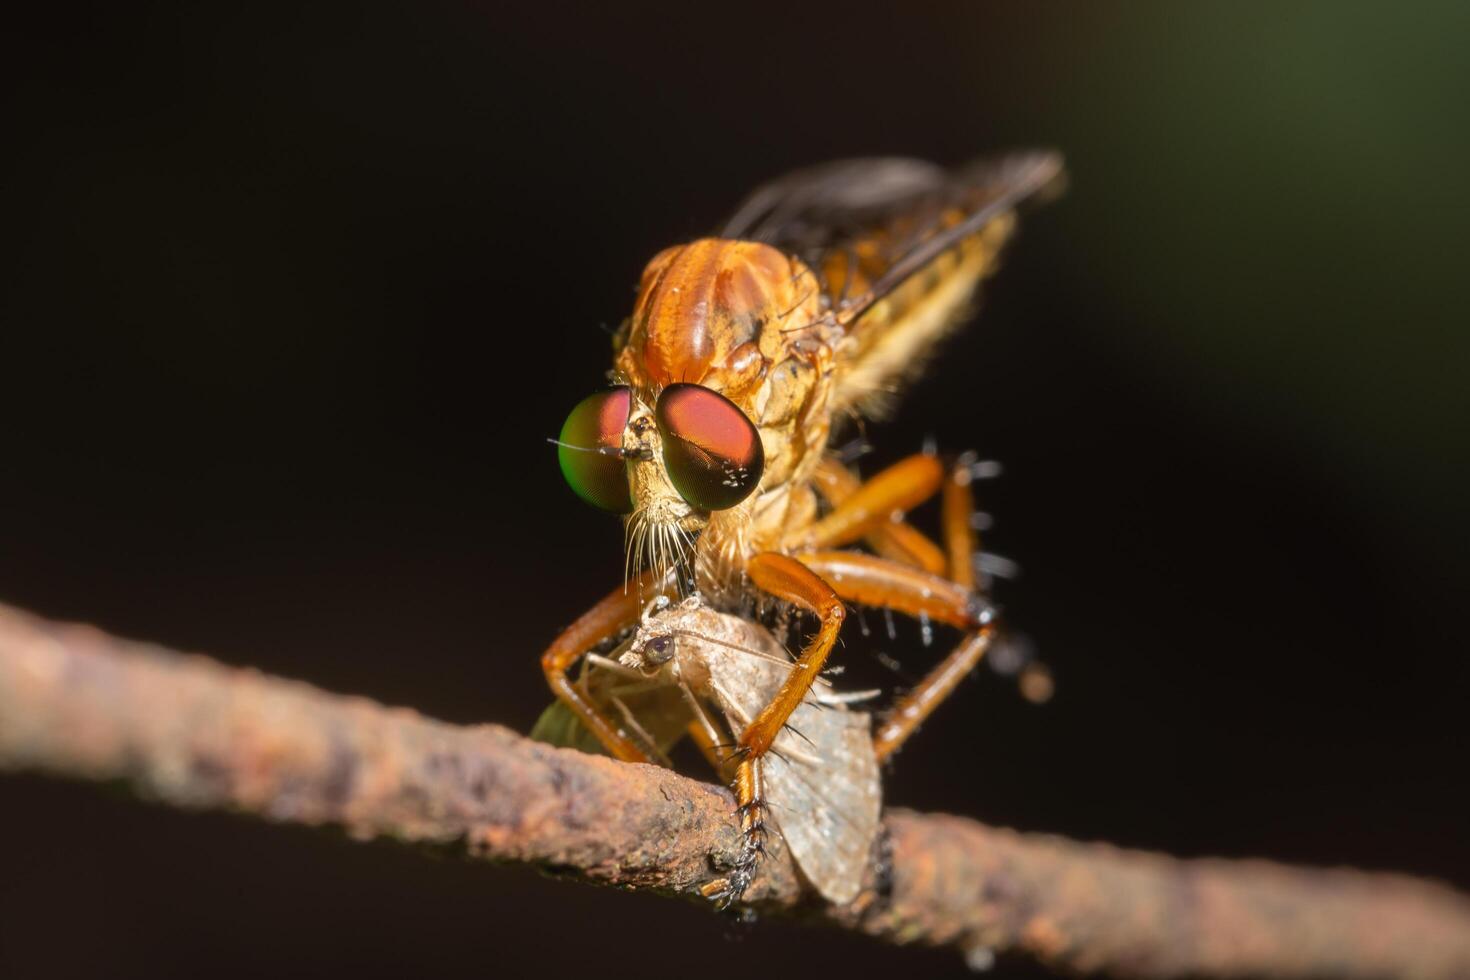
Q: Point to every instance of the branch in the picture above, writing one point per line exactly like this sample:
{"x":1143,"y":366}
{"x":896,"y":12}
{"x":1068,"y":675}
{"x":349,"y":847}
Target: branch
{"x":190,"y":732}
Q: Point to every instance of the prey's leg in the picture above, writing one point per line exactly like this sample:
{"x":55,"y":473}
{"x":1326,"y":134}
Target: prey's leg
{"x":712,"y":743}
{"x":709,"y":747}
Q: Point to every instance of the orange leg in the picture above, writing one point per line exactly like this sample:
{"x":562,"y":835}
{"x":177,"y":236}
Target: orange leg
{"x":612,"y":615}
{"x":873,"y":581}
{"x":957,"y":507}
{"x":902,"y":486}
{"x":794,"y":582}
{"x":909,"y":711}
{"x":898,"y":540}
{"x":750,"y":794}
{"x":895,"y":583}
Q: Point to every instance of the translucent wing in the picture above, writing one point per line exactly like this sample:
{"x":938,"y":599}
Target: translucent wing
{"x":897,"y":247}
{"x":654,"y":715}
{"x":866,"y":226}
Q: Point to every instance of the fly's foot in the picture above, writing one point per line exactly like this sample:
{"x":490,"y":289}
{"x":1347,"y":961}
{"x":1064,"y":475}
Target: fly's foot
{"x":752,"y":848}
{"x":728,"y":891}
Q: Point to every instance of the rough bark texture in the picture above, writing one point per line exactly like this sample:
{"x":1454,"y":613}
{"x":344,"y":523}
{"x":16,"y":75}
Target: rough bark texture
{"x":190,"y":732}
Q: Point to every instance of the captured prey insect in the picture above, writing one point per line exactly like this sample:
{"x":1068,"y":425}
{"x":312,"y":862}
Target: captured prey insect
{"x":690,"y":669}
{"x":744,"y":352}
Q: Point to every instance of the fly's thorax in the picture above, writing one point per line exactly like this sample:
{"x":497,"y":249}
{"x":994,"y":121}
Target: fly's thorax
{"x":703,"y":315}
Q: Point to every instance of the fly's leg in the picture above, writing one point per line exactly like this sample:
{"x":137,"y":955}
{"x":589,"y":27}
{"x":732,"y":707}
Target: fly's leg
{"x":949,"y":598}
{"x":745,"y":779}
{"x":791,"y":581}
{"x":871,"y":507}
{"x":750,"y":799}
{"x":912,"y":574}
{"x":615,"y":613}
{"x":886,"y":584}
{"x":909,"y":711}
{"x":898,"y":540}
{"x":879,"y":582}
{"x":962,"y":543}
{"x":957,"y":510}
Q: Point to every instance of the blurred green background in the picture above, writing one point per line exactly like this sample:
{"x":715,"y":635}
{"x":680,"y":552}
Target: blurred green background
{"x":1291,"y":239}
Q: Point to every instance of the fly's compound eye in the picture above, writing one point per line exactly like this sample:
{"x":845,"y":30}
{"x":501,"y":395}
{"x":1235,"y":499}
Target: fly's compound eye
{"x":712,"y":452}
{"x":590,"y":450}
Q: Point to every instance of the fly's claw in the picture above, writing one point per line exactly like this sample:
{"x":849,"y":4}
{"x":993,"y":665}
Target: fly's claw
{"x":752,"y":848}
{"x":729,"y":890}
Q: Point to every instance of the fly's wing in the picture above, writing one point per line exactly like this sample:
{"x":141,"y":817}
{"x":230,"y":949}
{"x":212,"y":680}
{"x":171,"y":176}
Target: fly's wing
{"x":897,"y":246}
{"x":825,"y":796}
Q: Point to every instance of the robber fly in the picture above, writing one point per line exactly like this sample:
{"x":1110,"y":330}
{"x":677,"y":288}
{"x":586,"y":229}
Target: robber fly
{"x":824,"y":291}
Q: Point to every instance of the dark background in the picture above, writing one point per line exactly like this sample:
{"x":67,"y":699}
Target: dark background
{"x":295,"y":296}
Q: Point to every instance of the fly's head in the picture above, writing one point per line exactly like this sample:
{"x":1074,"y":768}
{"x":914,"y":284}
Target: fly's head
{"x":723,"y":369}
{"x":672,"y":462}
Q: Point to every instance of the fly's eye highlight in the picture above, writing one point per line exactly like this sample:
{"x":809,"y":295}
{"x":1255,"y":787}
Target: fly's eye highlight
{"x":590,"y":450}
{"x":712,"y":452}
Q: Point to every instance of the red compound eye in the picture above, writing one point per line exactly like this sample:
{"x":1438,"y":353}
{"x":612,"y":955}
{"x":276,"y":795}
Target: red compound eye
{"x":590,"y":450}
{"x":712,"y":452}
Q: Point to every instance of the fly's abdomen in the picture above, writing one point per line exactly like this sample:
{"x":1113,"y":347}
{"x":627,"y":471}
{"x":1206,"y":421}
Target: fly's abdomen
{"x":894,"y":338}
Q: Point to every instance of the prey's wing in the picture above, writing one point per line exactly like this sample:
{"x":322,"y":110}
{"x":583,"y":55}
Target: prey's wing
{"x":821,"y":776}
{"x":654,"y":716}
{"x":897,"y":247}
{"x":825,"y":795}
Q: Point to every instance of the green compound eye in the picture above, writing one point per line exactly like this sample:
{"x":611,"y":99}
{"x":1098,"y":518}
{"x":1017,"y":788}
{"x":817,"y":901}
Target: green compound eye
{"x":590,"y":450}
{"x":712,"y":453}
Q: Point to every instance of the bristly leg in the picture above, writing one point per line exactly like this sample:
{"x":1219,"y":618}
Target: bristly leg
{"x":751,"y":806}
